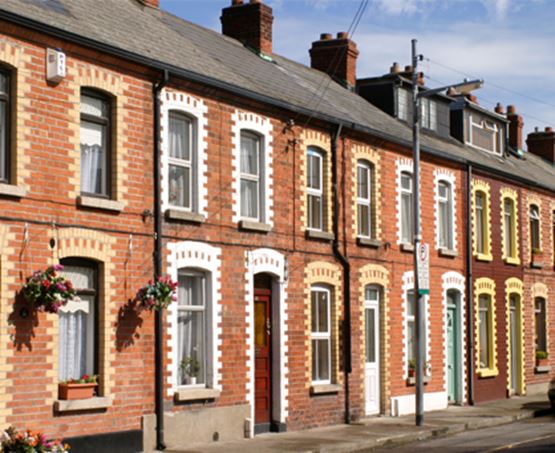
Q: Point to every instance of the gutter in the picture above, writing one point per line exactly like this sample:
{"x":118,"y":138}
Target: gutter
{"x":469,"y":288}
{"x":347,"y":362}
{"x":243,"y":92}
{"x":159,"y":324}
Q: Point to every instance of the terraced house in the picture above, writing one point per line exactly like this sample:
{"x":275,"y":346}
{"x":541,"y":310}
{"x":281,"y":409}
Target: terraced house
{"x":134,"y":143}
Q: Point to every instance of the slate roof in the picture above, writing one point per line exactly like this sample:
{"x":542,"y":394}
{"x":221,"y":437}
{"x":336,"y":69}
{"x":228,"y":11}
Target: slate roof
{"x":163,"y":40}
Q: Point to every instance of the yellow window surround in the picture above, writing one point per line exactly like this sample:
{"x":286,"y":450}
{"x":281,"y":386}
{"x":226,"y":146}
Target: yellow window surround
{"x":485,"y":286}
{"x":484,"y":188}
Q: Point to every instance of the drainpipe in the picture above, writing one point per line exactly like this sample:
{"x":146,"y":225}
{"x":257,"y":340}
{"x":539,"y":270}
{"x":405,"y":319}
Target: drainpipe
{"x":159,"y":325}
{"x":347,"y":365}
{"x":469,"y":287}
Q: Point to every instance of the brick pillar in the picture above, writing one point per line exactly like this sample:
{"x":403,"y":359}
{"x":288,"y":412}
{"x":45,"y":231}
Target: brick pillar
{"x":336,"y":57}
{"x":249,"y":23}
{"x":542,"y":143}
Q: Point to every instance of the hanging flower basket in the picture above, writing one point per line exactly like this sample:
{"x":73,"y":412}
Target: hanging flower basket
{"x":47,"y":290}
{"x":157,"y":295}
{"x":78,"y":389}
{"x":29,"y":441}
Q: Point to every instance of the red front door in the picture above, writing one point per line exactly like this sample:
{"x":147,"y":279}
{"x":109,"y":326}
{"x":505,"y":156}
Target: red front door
{"x":262,"y":357}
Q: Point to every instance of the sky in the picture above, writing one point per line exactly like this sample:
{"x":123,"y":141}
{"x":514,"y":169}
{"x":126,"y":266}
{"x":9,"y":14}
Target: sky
{"x":508,"y":43}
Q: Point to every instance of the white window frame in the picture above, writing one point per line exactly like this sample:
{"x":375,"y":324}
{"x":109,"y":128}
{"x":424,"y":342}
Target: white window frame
{"x":543,"y":301}
{"x":322,"y":335}
{"x":412,"y":319}
{"x":407,"y":237}
{"x":316,"y":192}
{"x":190,"y":164}
{"x":365,"y":200}
{"x":208,"y":337}
{"x":258,"y":179}
{"x":535,"y":217}
{"x":496,"y":136}
{"x":402,"y":102}
{"x":481,"y":246}
{"x":428,"y":119}
{"x":448,"y":227}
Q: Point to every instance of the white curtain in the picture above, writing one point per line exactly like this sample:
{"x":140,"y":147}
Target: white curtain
{"x":93,"y":150}
{"x":179,"y":138}
{"x":73,"y":345}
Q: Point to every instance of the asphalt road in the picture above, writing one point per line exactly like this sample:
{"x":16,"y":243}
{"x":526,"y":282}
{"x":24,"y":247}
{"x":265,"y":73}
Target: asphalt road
{"x":530,"y":436}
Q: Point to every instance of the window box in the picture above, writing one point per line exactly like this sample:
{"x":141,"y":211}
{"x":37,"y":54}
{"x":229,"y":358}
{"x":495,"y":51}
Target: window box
{"x":411,"y":380}
{"x":324,"y":389}
{"x":70,"y":391}
{"x":195,"y":394}
{"x":89,"y":404}
{"x":369,"y":242}
{"x":249,"y":225}
{"x":184,"y":216}
{"x":448,"y":253}
{"x":319,"y":235}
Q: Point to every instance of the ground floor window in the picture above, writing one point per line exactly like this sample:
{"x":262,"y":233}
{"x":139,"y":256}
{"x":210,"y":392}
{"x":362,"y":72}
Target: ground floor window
{"x":485,"y":331}
{"x":321,"y":334}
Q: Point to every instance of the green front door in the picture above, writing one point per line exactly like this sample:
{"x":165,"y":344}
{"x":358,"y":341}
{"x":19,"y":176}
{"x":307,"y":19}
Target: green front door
{"x":453,"y":350}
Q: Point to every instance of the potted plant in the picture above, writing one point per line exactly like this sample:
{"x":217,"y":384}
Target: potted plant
{"x":190,"y":369}
{"x":12,"y":441}
{"x":412,"y":368}
{"x":47,"y":290}
{"x":78,"y":389}
{"x":157,"y":295}
{"x":541,"y":358}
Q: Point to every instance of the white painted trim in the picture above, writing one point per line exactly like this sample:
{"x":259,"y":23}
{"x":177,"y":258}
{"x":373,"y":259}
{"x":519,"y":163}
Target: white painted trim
{"x":403,"y":165}
{"x":408,"y":284}
{"x":274,"y":263}
{"x":196,"y":109}
{"x":262,"y":126}
{"x":405,"y":404}
{"x":454,"y":280}
{"x":442,"y":174}
{"x":196,"y":255}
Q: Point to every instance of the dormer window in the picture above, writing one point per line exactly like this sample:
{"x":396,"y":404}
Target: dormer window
{"x":485,"y":135}
{"x":429,"y":114}
{"x":402,"y":104}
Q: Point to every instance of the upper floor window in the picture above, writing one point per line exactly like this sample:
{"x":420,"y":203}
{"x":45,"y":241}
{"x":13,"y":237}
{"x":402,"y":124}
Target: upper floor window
{"x":181,"y":161}
{"x":4,"y":125}
{"x":407,"y":212}
{"x":481,"y":226}
{"x":485,"y":134}
{"x":78,"y":322}
{"x":402,"y":104}
{"x":192,"y":328}
{"x":445,"y":214}
{"x":509,"y":225}
{"x":251,"y":176}
{"x":428,"y":111}
{"x":364,"y":200}
{"x":95,"y":144}
{"x":535,"y":242}
{"x":541,"y":326}
{"x":320,"y":336}
{"x":315,"y":189}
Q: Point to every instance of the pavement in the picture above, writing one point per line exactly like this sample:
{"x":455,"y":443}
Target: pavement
{"x":382,"y":431}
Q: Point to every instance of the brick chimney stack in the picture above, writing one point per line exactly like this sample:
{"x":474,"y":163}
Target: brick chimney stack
{"x":516,"y":124}
{"x":250,"y":23}
{"x":336,"y":57}
{"x":542,"y":144}
{"x":151,"y":3}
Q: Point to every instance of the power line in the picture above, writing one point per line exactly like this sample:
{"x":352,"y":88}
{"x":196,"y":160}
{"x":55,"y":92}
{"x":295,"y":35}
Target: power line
{"x":508,"y":90}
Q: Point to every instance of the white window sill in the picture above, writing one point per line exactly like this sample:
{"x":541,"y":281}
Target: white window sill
{"x":412,"y":380}
{"x":184,"y":216}
{"x":542,"y":369}
{"x":10,"y":190}
{"x":195,"y":394}
{"x":84,"y":201}
{"x":323,"y":389}
{"x":95,"y":403}
{"x":319,"y":235}
{"x":368,"y":242}
{"x":407,"y":247}
{"x":484,"y":257}
{"x":253,"y":225}
{"x":511,"y":260}
{"x":447,"y":253}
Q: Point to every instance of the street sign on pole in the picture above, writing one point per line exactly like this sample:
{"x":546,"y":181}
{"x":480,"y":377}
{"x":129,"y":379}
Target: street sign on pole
{"x":423,"y":254}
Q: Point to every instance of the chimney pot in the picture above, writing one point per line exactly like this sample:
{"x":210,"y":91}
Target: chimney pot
{"x":151,"y":3}
{"x":249,"y":23}
{"x":395,"y":68}
{"x":499,"y":109}
{"x":548,"y":129}
{"x":511,"y":110}
{"x":408,"y":68}
{"x":336,"y":57}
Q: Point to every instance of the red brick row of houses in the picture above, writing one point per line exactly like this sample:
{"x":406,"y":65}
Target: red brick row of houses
{"x":279,"y":198}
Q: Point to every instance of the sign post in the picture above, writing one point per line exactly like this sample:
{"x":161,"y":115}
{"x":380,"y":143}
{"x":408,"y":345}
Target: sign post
{"x":423,"y":255}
